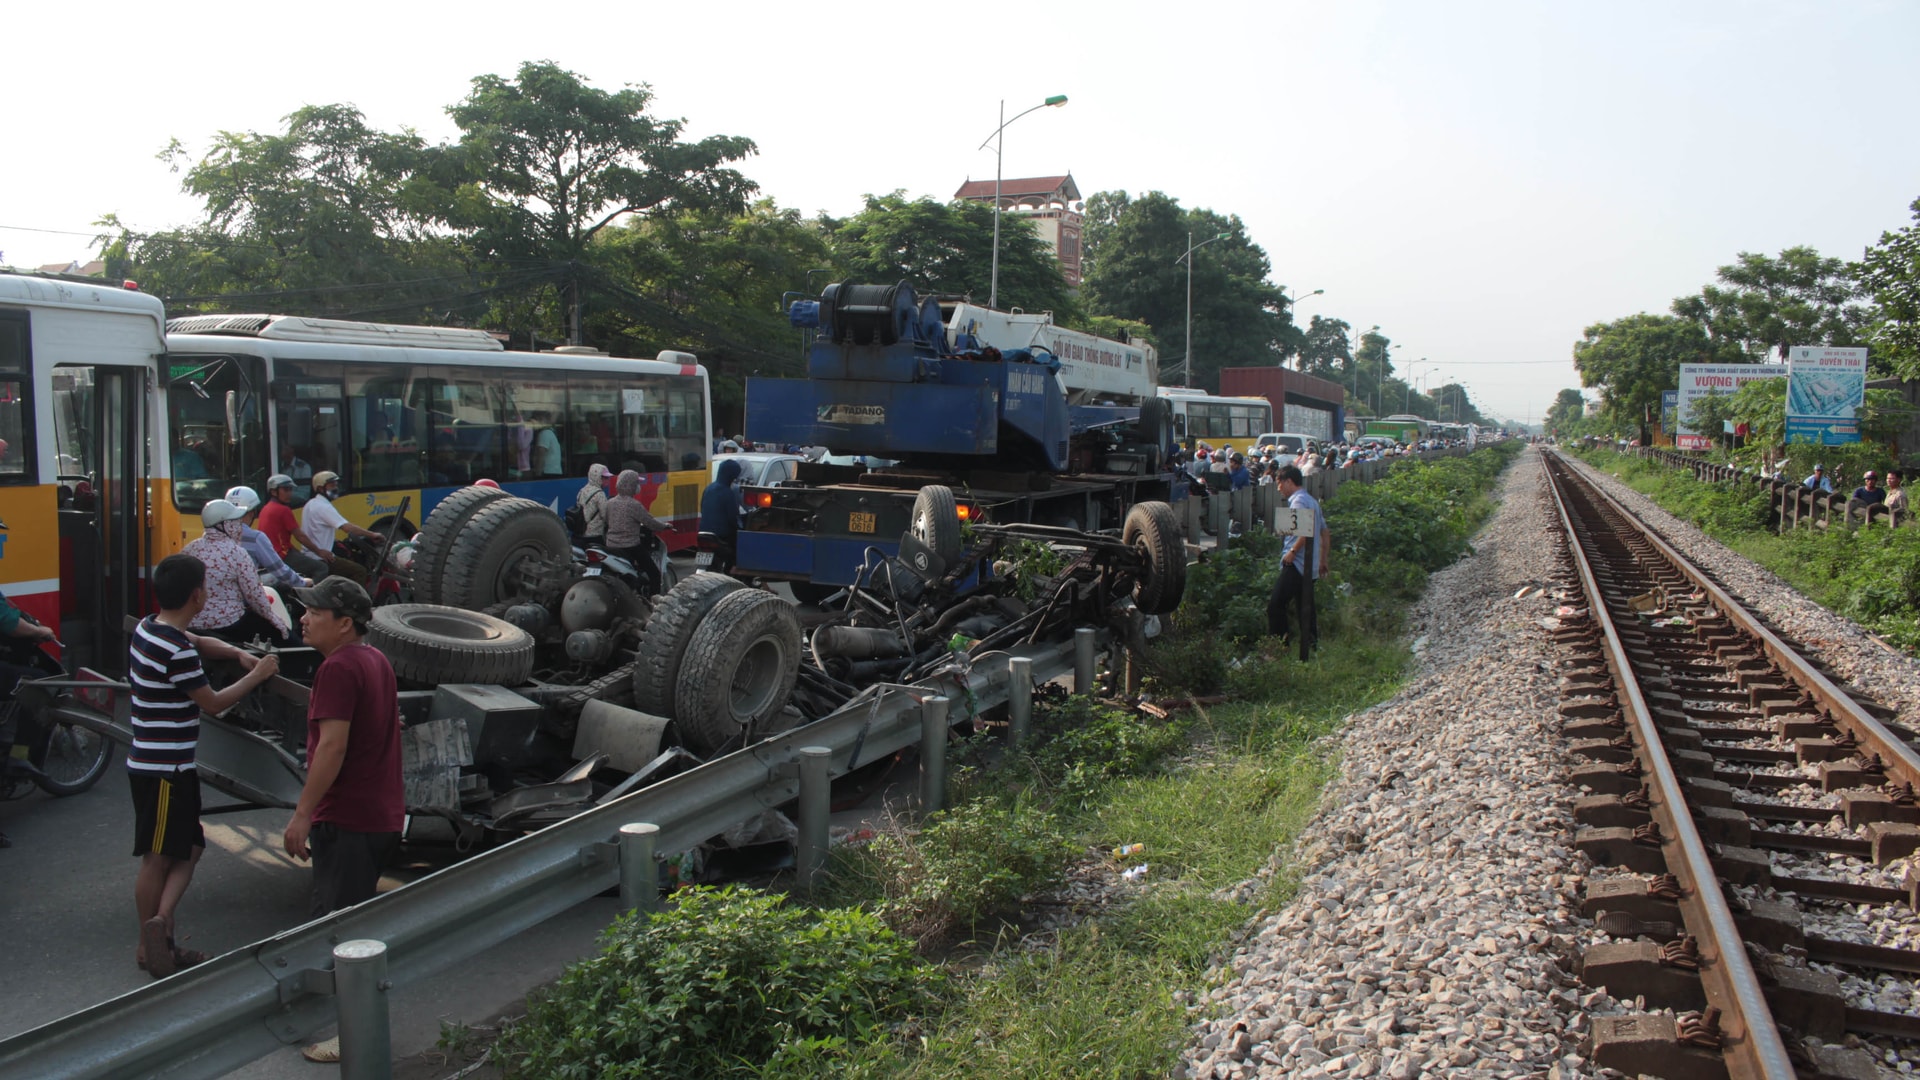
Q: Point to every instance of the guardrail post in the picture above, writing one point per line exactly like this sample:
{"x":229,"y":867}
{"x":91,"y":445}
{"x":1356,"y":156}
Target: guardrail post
{"x":1019,"y":700}
{"x":933,"y":754}
{"x":639,"y":875}
{"x":1219,"y":515}
{"x":1190,"y":518}
{"x":1083,"y":642}
{"x":810,"y":858}
{"x":360,"y":987}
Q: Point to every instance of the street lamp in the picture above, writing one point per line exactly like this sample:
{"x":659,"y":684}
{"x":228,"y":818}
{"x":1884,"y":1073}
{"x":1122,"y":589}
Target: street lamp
{"x":999,"y":140}
{"x":1291,"y":301}
{"x":1186,"y":371}
{"x":1406,"y":400}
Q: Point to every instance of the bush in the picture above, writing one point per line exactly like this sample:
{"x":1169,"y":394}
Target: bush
{"x":715,"y":986}
{"x":1080,"y":744}
{"x":962,"y":867}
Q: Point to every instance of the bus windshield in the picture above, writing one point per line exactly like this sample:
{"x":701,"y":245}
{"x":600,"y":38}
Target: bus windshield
{"x":214,"y":421}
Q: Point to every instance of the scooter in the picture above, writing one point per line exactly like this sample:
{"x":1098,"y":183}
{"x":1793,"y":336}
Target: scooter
{"x":59,"y":758}
{"x":599,"y":561}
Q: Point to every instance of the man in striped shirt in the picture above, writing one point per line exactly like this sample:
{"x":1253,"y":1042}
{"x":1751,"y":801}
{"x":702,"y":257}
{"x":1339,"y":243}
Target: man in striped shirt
{"x":169,"y":691}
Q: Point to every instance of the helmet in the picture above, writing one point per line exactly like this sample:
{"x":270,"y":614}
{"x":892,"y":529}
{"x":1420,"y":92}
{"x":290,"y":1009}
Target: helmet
{"x":243,"y":497}
{"x":278,"y":481}
{"x":482,"y":482}
{"x":219,"y":510}
{"x":322,"y":479}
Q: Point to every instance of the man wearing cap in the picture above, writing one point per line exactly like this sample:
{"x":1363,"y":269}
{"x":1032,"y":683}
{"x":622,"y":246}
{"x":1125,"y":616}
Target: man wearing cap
{"x":1866,"y":497}
{"x":278,"y":523}
{"x":1818,"y":481}
{"x":320,"y":520}
{"x":349,"y":815}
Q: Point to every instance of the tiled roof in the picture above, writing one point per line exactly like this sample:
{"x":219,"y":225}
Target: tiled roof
{"x":1062,"y":187}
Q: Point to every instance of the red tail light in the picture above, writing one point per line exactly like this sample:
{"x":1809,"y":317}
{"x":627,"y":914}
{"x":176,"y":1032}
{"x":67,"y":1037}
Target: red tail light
{"x":965,"y":512}
{"x":759,"y":500}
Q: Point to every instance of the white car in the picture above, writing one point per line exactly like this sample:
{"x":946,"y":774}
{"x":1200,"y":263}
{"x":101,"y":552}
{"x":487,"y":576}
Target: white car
{"x":1287,"y":445}
{"x":758,"y":469}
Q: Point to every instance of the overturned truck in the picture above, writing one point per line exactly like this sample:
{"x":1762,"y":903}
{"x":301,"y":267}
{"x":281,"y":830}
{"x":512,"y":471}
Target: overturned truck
{"x":534,"y":684}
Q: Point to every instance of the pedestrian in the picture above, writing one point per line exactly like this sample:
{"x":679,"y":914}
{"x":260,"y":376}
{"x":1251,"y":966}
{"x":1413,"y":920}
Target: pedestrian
{"x":353,"y":805}
{"x":1817,"y":480}
{"x":1291,"y":588}
{"x":1867,"y":497}
{"x":632,"y":530}
{"x":720,"y":516}
{"x":592,"y":501}
{"x":1238,"y":474}
{"x":169,"y":692}
{"x":1896,"y":503}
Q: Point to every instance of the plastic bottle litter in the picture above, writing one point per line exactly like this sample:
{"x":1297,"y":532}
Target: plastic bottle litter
{"x":1125,"y":850}
{"x":1134,"y":873}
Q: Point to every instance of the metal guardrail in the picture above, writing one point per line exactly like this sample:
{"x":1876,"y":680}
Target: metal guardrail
{"x":235,"y":1008}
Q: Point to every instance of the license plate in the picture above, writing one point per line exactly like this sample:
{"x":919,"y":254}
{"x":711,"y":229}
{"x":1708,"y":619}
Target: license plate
{"x":702,"y":559}
{"x":591,"y":571}
{"x":860,"y":523}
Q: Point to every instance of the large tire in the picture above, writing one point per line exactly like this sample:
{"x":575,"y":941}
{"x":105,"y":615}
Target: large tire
{"x":438,"y":534}
{"x":484,"y":562}
{"x":432,"y":644}
{"x":936,"y":521}
{"x":663,"y":645}
{"x":739,"y":672}
{"x":1153,"y":532}
{"x":1156,"y":428}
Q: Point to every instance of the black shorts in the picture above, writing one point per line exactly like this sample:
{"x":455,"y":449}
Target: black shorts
{"x":346,"y":865}
{"x":166,"y":813}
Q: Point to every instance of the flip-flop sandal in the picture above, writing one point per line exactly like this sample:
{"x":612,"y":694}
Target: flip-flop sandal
{"x":158,"y":947}
{"x":186,"y":958}
{"x":326,"y":1052}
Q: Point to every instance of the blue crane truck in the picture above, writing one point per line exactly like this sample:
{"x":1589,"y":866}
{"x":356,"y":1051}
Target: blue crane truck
{"x":889,"y":378}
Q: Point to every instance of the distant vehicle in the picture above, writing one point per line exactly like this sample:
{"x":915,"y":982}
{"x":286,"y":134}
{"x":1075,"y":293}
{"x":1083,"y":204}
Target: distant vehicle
{"x":760,"y":469}
{"x":1287,"y":444}
{"x":1199,"y":415}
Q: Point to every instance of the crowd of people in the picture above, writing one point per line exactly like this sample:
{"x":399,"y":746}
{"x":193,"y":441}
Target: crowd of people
{"x":1875,"y":494}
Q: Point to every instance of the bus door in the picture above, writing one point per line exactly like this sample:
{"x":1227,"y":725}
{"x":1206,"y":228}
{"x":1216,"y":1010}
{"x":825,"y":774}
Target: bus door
{"x":100,"y":437}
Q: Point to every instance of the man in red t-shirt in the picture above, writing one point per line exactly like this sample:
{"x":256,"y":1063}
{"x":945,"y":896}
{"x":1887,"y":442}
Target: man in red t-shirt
{"x":351,"y":809}
{"x":278,"y":523}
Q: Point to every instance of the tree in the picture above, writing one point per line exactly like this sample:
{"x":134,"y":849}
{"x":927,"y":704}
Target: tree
{"x":1890,"y":272}
{"x":1633,"y":359}
{"x":1568,"y":408}
{"x":545,"y":162}
{"x":1372,"y":364}
{"x":329,"y":217}
{"x":1326,"y":350}
{"x":947,"y":247}
{"x":1133,"y":269}
{"x":1763,"y":304}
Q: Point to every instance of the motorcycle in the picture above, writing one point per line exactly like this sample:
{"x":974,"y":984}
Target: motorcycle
{"x":58,"y":757}
{"x":599,"y":561}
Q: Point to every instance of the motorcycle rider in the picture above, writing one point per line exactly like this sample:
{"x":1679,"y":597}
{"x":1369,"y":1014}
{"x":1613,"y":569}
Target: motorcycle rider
{"x":19,"y":629}
{"x":321,"y":520}
{"x":259,"y":545}
{"x":237,"y":607}
{"x":720,"y":515}
{"x":277,"y":522}
{"x":632,"y":530}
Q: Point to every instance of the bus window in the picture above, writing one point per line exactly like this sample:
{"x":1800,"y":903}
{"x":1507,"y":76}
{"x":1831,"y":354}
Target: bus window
{"x":214,"y":426}
{"x":535,"y":407}
{"x":307,"y":414}
{"x":384,"y":432}
{"x":463,"y":427}
{"x":687,"y":445}
{"x":593,"y":415}
{"x":16,"y":442}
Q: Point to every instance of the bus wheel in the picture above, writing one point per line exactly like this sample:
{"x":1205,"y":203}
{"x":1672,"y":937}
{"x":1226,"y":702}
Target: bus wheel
{"x":432,"y":644}
{"x":740,"y":668}
{"x":663,"y":644}
{"x":496,"y":551}
{"x":1153,"y":532}
{"x":936,"y":521}
{"x":437,"y":536}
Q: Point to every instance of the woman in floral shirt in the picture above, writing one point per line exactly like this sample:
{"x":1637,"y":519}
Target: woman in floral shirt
{"x":237,"y":605}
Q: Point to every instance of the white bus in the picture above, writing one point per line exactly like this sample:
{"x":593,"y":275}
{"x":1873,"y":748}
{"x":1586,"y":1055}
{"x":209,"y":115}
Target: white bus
{"x":1202,"y":416}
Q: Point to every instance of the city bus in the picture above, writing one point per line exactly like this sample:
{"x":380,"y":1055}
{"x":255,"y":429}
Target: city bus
{"x":1203,"y":416}
{"x":116,"y":427}
{"x":410,"y":414}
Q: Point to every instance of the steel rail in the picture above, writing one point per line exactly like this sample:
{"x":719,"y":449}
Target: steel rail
{"x":1902,"y":762}
{"x":233,"y":1009}
{"x":1751,"y":1044}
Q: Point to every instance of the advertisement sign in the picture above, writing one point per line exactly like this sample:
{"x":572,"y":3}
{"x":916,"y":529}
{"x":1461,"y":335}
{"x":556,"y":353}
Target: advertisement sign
{"x":1669,"y":405}
{"x":1701,"y":380}
{"x":1825,"y":389}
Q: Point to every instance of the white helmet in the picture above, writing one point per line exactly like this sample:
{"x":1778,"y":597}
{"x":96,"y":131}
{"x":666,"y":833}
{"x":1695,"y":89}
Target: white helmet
{"x":243,"y":497}
{"x":219,"y":510}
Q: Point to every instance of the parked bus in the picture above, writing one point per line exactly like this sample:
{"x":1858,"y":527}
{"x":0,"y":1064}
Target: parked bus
{"x":1199,"y":415}
{"x":418,"y":412}
{"x":116,"y":428}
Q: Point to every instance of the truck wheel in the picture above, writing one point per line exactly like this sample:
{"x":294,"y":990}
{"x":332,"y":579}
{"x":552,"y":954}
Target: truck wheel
{"x":664,"y":642}
{"x":741,"y":665}
{"x":433,"y":644}
{"x":486,"y":563}
{"x":437,"y":536}
{"x":936,"y":521}
{"x":1153,"y":532}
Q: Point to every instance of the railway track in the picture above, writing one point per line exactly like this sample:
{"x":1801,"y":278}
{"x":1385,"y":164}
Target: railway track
{"x":1752,"y":819}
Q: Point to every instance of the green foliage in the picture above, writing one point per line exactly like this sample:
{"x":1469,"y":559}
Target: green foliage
{"x":716,"y":984}
{"x":962,"y":867}
{"x":1226,"y":595}
{"x":1890,"y":272}
{"x":1029,"y":565}
{"x":1633,"y":359}
{"x":1079,"y":745}
{"x":1568,"y":408}
{"x":947,"y":247}
{"x":1762,"y":304}
{"x":1390,"y":534}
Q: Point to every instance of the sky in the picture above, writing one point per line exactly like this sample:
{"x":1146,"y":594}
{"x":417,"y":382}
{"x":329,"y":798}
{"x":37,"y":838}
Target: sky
{"x":1481,"y":180}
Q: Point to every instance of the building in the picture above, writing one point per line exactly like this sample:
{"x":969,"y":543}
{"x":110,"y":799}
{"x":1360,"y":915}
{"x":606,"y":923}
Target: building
{"x":76,"y":268}
{"x":1051,"y":203}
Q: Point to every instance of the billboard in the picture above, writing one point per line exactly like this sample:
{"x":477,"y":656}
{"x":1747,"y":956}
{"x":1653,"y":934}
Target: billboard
{"x":1701,"y":380}
{"x":1669,"y":406}
{"x":1825,"y":389}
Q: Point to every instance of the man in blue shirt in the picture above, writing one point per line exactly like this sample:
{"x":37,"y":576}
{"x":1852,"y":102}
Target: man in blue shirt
{"x":1818,"y":481}
{"x":258,"y":546}
{"x":1292,"y":587}
{"x":720,"y":514}
{"x":1239,"y":474}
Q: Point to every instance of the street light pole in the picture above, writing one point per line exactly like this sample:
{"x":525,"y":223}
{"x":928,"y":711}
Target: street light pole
{"x":1291,"y":301}
{"x":1186,"y":371}
{"x":999,"y":141}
